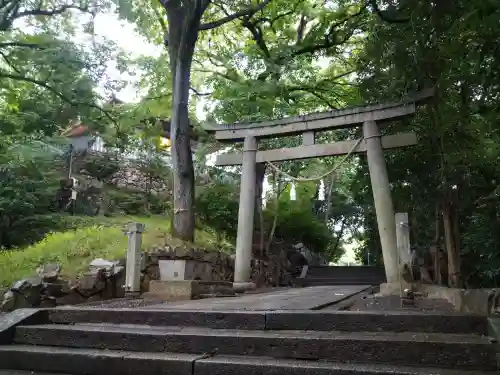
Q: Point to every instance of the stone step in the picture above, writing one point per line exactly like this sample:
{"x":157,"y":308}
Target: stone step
{"x":397,"y":348}
{"x":268,"y":366}
{"x":342,"y":281}
{"x":94,"y":362}
{"x":213,"y":319}
{"x":339,"y":281}
{"x":24,"y":360}
{"x":346,"y":271}
{"x":400,"y":321}
{"x":27,"y":372}
{"x":344,"y":275}
{"x":370,"y":321}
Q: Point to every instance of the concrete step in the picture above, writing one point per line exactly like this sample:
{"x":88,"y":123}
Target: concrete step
{"x":370,"y":321}
{"x":334,"y":274}
{"x":268,"y":366}
{"x":24,"y":359}
{"x":161,"y":317}
{"x":397,"y":321}
{"x":27,"y":372}
{"x":317,"y":282}
{"x":396,"y":348}
{"x":346,"y":271}
{"x":343,"y":281}
{"x":345,"y":277}
{"x":94,"y":362}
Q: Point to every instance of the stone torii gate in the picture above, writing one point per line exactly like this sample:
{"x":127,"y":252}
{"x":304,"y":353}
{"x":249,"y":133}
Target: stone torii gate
{"x":369,"y":116}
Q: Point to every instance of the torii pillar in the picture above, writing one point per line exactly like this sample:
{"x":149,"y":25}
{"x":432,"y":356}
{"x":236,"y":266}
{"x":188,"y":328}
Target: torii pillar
{"x":244,"y":239}
{"x":382,"y":197}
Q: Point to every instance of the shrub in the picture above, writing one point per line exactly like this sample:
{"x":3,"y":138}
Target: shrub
{"x":28,"y":189}
{"x":297,"y":223}
{"x":217,"y":206}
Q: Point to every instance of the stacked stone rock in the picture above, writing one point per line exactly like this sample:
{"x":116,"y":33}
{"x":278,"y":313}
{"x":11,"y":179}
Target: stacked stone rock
{"x":104,"y":279}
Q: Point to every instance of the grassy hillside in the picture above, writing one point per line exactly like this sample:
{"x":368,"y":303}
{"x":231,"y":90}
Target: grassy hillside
{"x":74,"y":249}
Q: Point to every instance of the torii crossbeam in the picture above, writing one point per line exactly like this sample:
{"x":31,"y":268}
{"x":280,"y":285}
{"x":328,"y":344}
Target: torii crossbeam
{"x":368,"y":116}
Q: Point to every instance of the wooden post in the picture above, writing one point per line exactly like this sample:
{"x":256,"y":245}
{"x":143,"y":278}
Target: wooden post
{"x":133,"y":266}
{"x":244,"y":239}
{"x":382,"y":198}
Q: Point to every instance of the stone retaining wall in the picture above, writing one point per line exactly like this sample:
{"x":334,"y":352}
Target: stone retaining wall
{"x":105,"y":279}
{"x":467,"y":301}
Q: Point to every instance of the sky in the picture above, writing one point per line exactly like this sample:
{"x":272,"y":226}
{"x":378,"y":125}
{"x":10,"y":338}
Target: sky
{"x":123,"y":34}
{"x":128,"y":39}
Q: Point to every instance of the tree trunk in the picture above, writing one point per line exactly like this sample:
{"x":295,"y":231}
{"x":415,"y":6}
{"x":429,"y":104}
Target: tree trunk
{"x":182,"y":161}
{"x":436,"y":249}
{"x":449,"y":218}
{"x":183,"y":23}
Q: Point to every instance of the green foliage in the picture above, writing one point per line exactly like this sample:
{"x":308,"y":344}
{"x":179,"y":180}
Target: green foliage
{"x":297,"y":224}
{"x":217,"y":206}
{"x":27,"y":194}
{"x":456,"y":163}
{"x":133,"y":202}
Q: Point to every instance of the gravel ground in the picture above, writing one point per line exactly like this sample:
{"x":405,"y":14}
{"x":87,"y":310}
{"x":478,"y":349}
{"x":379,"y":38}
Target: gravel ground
{"x":121,"y":303}
{"x":143,"y":302}
{"x":391,"y":303}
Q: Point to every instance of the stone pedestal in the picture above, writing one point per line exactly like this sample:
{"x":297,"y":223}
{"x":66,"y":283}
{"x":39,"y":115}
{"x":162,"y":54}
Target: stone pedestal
{"x":182,"y":290}
{"x":181,"y":269}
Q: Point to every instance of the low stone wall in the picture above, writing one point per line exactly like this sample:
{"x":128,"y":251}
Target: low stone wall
{"x":105,"y":279}
{"x":467,"y":301}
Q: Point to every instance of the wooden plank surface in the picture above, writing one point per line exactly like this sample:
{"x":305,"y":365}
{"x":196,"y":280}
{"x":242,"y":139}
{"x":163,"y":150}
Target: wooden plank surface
{"x":318,"y":150}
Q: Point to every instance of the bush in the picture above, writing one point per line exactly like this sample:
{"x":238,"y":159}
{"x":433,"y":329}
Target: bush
{"x":298,"y":223}
{"x":217,"y":207}
{"x":132,"y":202}
{"x":27,"y":197}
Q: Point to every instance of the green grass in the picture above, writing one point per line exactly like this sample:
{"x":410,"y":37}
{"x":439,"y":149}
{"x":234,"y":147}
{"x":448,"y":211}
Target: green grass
{"x":99,"y":237}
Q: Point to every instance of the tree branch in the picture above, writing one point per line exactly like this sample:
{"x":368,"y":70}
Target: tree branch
{"x":242,"y":13}
{"x":312,"y":91}
{"x":51,"y":12}
{"x":197,"y":93}
{"x":60,"y":95}
{"x":329,"y":40}
{"x":257,"y":35}
{"x":384,"y":15}
{"x":21,"y":44}
{"x":10,"y":12}
{"x":167,"y":95}
{"x":9,"y":63}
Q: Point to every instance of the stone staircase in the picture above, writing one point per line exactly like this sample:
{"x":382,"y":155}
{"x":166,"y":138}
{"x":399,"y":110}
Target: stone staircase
{"x":88,"y":341}
{"x":342,"y":275}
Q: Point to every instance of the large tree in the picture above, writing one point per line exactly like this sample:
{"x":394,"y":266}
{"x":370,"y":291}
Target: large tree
{"x":265,"y":63}
{"x":180,"y":23}
{"x":452,"y":173}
